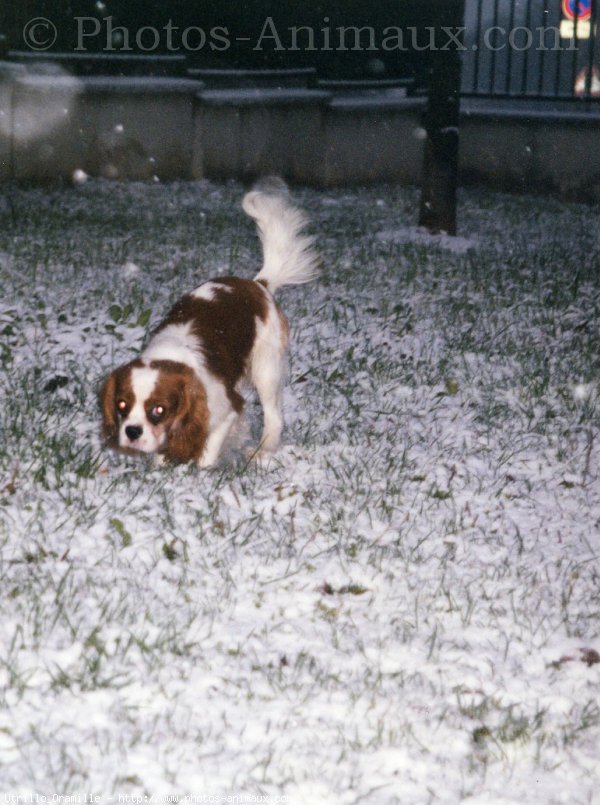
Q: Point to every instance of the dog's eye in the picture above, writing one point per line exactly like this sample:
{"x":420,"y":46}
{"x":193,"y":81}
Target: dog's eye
{"x":156,"y":414}
{"x":121,"y":406}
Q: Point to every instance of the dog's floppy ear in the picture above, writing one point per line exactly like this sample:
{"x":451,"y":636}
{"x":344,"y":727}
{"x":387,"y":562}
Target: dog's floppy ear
{"x":110,"y":430}
{"x":188,"y":431}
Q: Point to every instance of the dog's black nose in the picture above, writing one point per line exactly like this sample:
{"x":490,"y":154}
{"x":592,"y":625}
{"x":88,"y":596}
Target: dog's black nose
{"x":133,"y":432}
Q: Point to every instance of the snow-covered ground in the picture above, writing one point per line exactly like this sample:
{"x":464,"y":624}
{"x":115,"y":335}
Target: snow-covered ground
{"x":404,"y":607}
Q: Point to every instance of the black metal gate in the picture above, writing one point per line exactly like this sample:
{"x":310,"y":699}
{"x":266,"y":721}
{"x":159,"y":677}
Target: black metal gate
{"x":546,"y":49}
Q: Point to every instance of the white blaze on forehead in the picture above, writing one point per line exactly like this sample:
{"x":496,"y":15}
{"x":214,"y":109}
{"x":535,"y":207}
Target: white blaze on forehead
{"x":143,"y":383}
{"x":209,"y":289}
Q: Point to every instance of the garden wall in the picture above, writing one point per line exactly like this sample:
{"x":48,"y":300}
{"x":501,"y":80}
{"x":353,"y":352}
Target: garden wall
{"x":58,"y":126}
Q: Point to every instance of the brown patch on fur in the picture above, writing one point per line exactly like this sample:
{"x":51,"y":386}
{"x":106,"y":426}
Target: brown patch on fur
{"x":186,"y":422}
{"x":225,"y":327}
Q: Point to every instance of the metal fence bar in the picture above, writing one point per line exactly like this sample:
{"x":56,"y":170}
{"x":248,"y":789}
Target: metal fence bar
{"x":556,"y":88}
{"x":574,"y":51}
{"x":509,"y":60}
{"x":591,"y":51}
{"x":494,"y":53}
{"x":525,"y":63}
{"x":477,"y":47}
{"x":542,"y":60}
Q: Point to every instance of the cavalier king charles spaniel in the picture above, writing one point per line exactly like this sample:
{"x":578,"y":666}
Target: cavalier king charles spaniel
{"x":181,"y":397}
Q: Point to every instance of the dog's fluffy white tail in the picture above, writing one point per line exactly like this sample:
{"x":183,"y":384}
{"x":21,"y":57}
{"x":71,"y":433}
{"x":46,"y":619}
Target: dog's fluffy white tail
{"x":288,"y":255}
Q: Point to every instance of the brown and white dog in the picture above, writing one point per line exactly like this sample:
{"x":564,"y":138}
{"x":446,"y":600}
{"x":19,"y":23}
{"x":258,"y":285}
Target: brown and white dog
{"x":181,"y":397}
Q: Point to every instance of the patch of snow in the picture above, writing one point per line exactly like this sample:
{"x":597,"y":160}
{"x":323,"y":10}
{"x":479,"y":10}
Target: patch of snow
{"x":421,"y":236}
{"x":400,"y":605}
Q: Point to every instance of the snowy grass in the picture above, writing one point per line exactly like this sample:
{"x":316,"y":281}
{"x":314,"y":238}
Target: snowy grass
{"x":404,"y":607}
